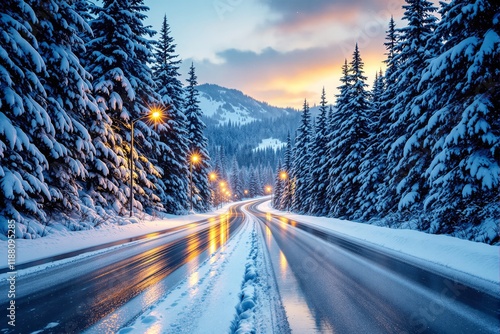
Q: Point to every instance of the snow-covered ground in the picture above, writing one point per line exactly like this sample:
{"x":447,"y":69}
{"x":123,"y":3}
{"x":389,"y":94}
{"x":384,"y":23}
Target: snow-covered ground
{"x":272,"y":143}
{"x":474,"y":259}
{"x":219,"y":109}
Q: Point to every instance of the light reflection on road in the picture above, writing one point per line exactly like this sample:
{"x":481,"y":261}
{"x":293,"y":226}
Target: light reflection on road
{"x":300,"y":317}
{"x":108,"y":295}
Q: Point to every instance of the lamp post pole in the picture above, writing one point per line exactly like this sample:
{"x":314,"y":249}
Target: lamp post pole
{"x":193,"y":159}
{"x":154,"y":115}
{"x":131,"y":200}
{"x":191,"y":185}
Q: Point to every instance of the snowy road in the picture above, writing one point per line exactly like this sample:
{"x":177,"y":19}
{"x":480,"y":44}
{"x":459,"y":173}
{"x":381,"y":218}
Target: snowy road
{"x":332,"y":285}
{"x":255,"y":271}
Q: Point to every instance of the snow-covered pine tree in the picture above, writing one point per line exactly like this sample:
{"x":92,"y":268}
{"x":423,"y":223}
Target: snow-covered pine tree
{"x":279,"y":182}
{"x":243,"y":177}
{"x":371,"y":174}
{"x":173,"y":146}
{"x":386,"y":196}
{"x":333,"y":147}
{"x":319,"y":162}
{"x":408,"y":155}
{"x":24,"y":122}
{"x":286,"y":196}
{"x":198,"y":143}
{"x":302,"y":161}
{"x":235,"y":180}
{"x":350,"y":145}
{"x":461,"y":88}
{"x":69,"y":102}
{"x":118,"y":57}
{"x":254,"y":186}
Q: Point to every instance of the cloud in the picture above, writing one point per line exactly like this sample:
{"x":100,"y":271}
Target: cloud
{"x":293,"y":11}
{"x":282,"y":78}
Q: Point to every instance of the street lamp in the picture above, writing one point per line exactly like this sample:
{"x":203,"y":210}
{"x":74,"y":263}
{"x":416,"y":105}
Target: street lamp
{"x":284,"y":177}
{"x":222,"y":189}
{"x":155,"y":115}
{"x":212,"y":176}
{"x":195,"y":158}
{"x":269,"y":190}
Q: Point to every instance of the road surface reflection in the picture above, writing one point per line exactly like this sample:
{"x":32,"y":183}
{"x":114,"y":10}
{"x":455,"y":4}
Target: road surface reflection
{"x":79,"y":303}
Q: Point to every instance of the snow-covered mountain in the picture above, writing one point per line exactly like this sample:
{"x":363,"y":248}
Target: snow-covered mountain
{"x":224,"y":105}
{"x":243,"y":127}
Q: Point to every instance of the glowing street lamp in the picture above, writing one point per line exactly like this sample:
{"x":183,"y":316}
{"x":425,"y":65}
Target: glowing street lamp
{"x":155,"y":115}
{"x":194,"y":159}
{"x":212,"y":176}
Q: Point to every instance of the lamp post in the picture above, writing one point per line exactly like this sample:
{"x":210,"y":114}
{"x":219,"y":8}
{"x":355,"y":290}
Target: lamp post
{"x":193,"y":160}
{"x":284,"y":177}
{"x":222,"y":190}
{"x":155,"y":115}
{"x":212,"y":176}
{"x":269,"y":190}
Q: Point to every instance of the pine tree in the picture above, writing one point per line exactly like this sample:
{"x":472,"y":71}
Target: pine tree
{"x":372,"y":166}
{"x":407,"y":155}
{"x":24,"y":121}
{"x":386,"y":195}
{"x":198,"y":142}
{"x":278,"y":186}
{"x":319,"y":162}
{"x":117,"y":58}
{"x":460,"y":86}
{"x":287,"y":195}
{"x":302,"y":160}
{"x":254,"y":186}
{"x":333,"y":152}
{"x":235,"y":181}
{"x":69,"y":102}
{"x":173,"y":148}
{"x":349,"y":146}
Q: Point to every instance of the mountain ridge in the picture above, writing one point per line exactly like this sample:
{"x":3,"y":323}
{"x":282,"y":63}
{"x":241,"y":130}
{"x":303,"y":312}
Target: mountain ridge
{"x":223,"y":105}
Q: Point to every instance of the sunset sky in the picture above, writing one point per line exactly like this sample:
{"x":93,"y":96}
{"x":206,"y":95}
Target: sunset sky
{"x":278,"y":51}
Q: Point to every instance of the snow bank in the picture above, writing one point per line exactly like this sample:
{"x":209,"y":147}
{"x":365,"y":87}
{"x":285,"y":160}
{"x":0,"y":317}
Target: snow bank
{"x":244,"y":321}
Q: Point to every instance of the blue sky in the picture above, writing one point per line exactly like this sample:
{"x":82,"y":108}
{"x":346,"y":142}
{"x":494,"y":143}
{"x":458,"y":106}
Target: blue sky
{"x":278,"y":51}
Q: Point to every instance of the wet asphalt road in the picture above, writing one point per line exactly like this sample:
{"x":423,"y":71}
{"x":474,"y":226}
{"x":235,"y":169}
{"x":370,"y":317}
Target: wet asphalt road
{"x":349,"y":287}
{"x":69,"y":298}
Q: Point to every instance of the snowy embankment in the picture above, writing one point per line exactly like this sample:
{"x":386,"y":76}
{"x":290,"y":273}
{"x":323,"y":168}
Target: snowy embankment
{"x":245,"y":310}
{"x":477,"y":261}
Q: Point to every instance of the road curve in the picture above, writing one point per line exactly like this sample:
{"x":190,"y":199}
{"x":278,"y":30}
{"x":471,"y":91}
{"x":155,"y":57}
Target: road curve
{"x":70,"y":297}
{"x":352,"y":288}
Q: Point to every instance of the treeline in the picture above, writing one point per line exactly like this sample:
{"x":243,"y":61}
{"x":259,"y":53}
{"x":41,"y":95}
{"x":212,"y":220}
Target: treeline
{"x":75,"y":77}
{"x":231,"y":181}
{"x":423,"y":146}
{"x":241,"y":140}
